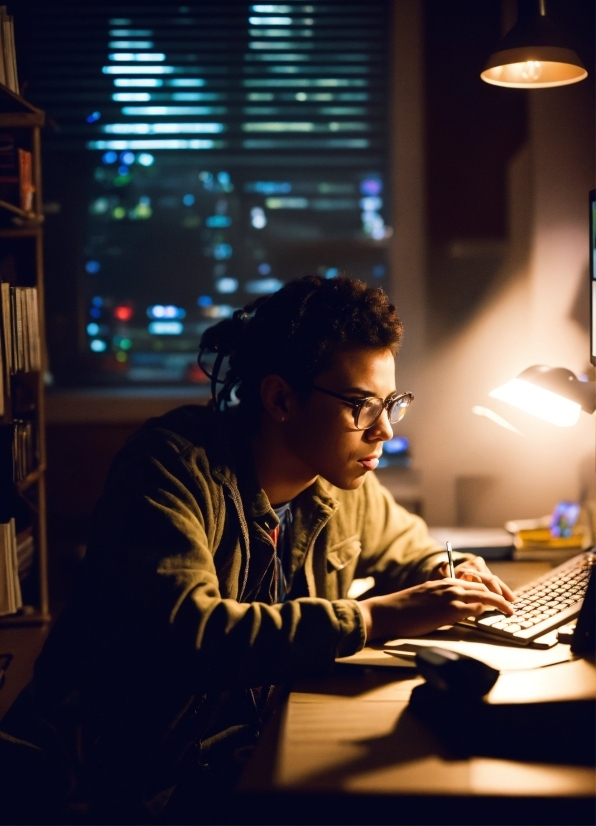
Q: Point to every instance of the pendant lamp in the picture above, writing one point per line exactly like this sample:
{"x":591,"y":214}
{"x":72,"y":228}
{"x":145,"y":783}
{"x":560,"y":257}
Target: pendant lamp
{"x":533,"y":55}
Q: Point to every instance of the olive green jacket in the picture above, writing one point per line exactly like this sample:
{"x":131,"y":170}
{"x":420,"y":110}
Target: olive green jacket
{"x":175,"y":599}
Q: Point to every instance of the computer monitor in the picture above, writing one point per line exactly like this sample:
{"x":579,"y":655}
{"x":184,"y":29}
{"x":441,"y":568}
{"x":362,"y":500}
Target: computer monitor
{"x":593,"y":276}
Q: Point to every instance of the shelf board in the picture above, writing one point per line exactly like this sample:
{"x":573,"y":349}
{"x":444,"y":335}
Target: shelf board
{"x":31,"y":617}
{"x":16,"y":111}
{"x":20,"y":232}
{"x":29,"y":216}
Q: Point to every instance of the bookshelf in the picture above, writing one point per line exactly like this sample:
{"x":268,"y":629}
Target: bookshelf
{"x":22,"y":419}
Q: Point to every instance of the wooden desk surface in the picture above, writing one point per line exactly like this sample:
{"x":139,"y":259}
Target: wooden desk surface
{"x":352,"y":736}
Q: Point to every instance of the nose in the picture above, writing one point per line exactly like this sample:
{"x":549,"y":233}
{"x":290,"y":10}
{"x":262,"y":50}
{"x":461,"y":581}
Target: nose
{"x":381,"y":430}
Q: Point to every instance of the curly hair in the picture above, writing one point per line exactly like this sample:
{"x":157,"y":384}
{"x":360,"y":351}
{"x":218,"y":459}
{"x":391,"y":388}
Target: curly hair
{"x":295,"y":333}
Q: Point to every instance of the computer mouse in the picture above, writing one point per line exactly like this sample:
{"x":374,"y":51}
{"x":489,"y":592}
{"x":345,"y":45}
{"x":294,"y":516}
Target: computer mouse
{"x":449,"y":671}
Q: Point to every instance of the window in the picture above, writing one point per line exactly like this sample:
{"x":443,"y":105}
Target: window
{"x":230,"y":147}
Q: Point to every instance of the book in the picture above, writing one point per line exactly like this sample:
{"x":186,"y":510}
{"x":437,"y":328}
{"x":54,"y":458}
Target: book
{"x":26,"y":188}
{"x":5,"y":320}
{"x":10,"y":587}
{"x":490,"y":543}
{"x":8,"y":50}
{"x":24,"y":449}
{"x":25,"y":552}
{"x":21,"y":349}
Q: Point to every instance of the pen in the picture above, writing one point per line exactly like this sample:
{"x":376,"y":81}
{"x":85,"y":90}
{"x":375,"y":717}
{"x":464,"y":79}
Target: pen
{"x":450,"y":560}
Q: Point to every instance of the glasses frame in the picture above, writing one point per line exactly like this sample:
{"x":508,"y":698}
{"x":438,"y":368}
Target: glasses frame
{"x":358,"y":405}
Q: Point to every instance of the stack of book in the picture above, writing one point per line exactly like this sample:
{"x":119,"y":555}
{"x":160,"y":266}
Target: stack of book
{"x":8,"y":59}
{"x":20,"y":345}
{"x":534,"y":540}
{"x":10,"y":588}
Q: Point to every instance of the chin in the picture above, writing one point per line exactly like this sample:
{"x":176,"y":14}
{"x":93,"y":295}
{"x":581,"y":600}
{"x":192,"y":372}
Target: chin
{"x":345,"y":482}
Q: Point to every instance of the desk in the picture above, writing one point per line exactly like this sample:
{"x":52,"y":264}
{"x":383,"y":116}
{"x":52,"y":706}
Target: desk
{"x":345,"y":749}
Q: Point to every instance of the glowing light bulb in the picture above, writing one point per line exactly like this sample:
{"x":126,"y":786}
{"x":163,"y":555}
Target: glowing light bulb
{"x":539,"y":402}
{"x":530,"y":70}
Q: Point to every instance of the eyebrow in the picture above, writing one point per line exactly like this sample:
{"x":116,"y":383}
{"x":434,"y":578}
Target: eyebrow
{"x":364,"y":393}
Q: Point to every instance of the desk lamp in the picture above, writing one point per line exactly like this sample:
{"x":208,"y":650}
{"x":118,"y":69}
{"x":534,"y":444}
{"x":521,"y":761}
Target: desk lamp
{"x":554,"y":394}
{"x":533,"y":55}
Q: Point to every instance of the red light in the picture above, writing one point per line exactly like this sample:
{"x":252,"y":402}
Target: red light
{"x":124,"y":312}
{"x":195,"y":374}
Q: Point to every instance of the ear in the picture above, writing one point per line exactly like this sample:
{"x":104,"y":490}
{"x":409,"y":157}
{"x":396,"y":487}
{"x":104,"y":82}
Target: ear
{"x":278,"y":398}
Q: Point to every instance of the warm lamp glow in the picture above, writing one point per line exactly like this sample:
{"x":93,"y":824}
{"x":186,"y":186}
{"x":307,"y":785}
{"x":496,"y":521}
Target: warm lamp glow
{"x":534,"y":74}
{"x":532,"y":55}
{"x":539,"y":402}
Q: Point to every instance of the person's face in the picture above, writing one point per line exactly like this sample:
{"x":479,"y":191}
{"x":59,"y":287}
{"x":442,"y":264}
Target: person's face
{"x":322,"y":432}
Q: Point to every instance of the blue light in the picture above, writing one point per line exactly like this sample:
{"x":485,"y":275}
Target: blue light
{"x":155,"y":144}
{"x":263,"y":285}
{"x":269,"y":187}
{"x":97,"y":301}
{"x":264,"y":269}
{"x":144,"y":57}
{"x":165,"y":328}
{"x":95,"y":312}
{"x":93,"y":329}
{"x":226,"y":285}
{"x":222,"y":251}
{"x":197,"y":81}
{"x":138,"y":81}
{"x":379,"y":270}
{"x":332,"y":272}
{"x":137,"y":70}
{"x":204,"y":301}
{"x":93,"y":117}
{"x":131,"y":97}
{"x":162,"y":128}
{"x":223,"y":178}
{"x":398,"y":444}
{"x":123,"y":170}
{"x":127,"y":158}
{"x":188,"y":200}
{"x":165,"y":311}
{"x":92,"y":267}
{"x":98,"y":346}
{"x":371,"y":186}
{"x":110,"y":157}
{"x":218,"y":221}
{"x":145,"y":159}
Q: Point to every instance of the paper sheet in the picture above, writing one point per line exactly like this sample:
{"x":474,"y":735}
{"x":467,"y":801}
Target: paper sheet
{"x":501,"y":657}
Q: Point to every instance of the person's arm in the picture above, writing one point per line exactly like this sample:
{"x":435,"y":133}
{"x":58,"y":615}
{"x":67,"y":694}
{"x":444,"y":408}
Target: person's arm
{"x":162,"y":524}
{"x":408,"y":568}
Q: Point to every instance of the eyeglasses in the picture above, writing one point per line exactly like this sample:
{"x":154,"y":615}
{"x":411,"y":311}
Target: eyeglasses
{"x":367,"y":411}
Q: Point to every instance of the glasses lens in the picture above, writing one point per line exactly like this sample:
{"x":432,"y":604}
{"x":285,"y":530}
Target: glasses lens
{"x":369,"y":412}
{"x":397,"y":410}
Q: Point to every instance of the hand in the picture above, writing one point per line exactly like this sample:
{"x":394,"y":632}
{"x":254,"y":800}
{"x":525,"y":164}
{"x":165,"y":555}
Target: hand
{"x":476,"y":570}
{"x":428,"y":606}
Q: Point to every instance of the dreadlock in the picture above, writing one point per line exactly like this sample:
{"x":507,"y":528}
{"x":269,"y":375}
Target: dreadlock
{"x":294,"y":333}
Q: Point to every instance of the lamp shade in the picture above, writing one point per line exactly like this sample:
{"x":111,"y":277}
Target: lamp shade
{"x":533,"y":55}
{"x":554,"y":394}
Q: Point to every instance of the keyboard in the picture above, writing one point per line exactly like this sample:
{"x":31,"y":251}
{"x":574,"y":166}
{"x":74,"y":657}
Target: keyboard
{"x":542,"y":605}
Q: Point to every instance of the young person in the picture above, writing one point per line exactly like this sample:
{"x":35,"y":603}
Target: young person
{"x":227,"y":538}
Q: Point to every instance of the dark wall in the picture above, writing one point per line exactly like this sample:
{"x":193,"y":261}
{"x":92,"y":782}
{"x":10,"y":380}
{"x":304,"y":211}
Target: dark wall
{"x":473,"y":132}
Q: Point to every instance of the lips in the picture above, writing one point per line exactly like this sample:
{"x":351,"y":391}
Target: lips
{"x":369,"y":462}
